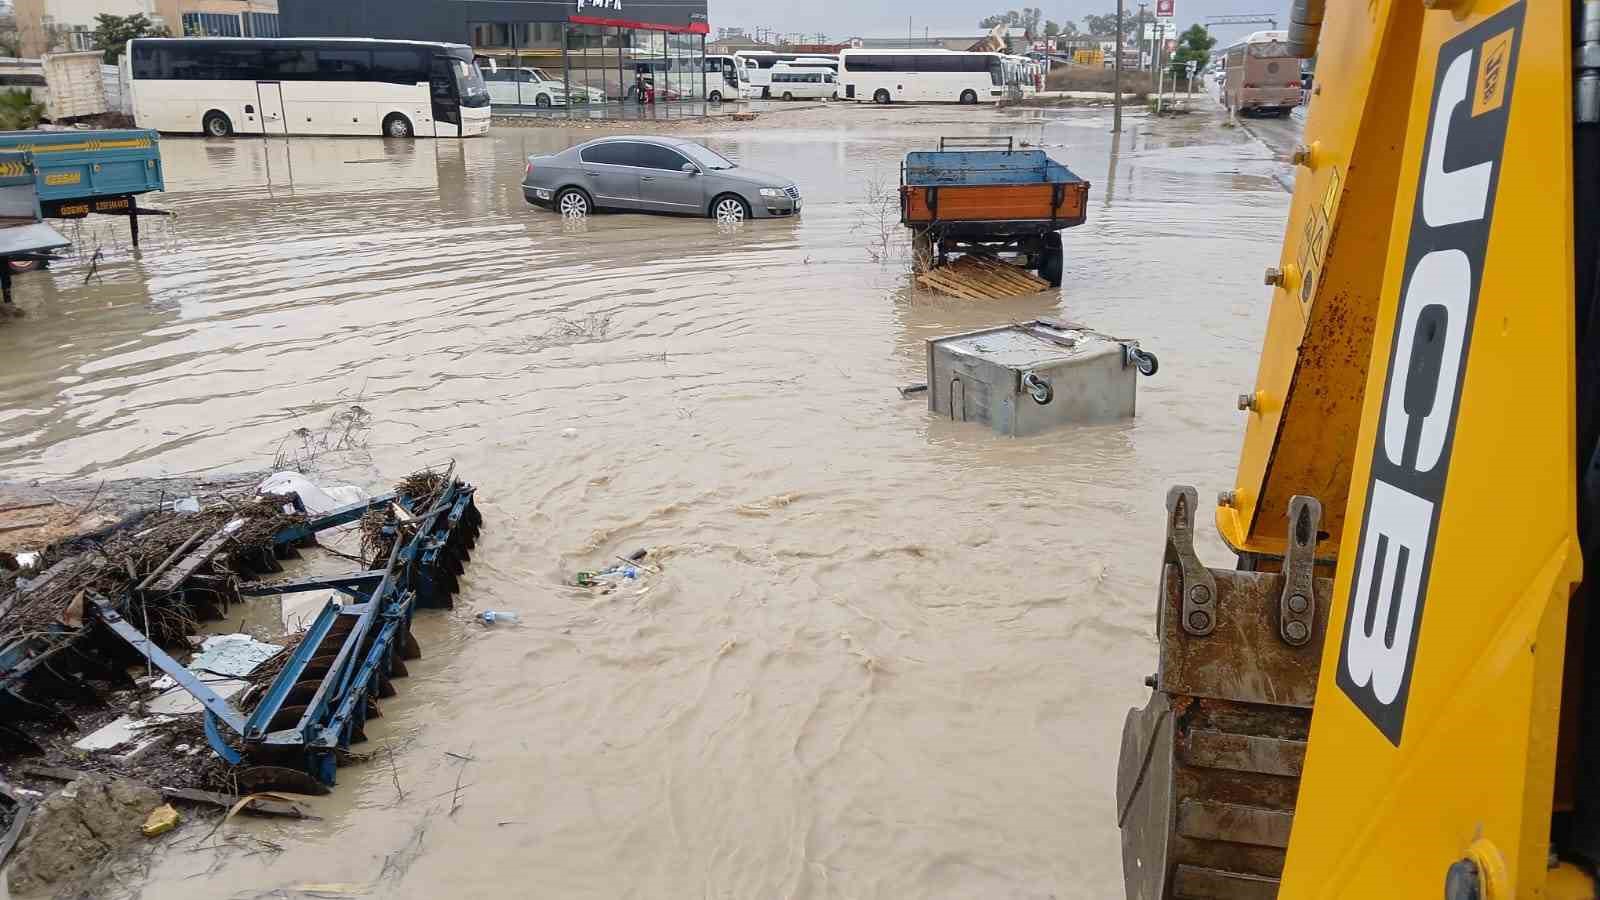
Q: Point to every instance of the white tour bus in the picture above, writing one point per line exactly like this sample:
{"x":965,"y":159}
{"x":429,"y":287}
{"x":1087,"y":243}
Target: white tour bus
{"x":759,"y":63}
{"x":940,"y":76}
{"x":726,"y":78}
{"x":305,"y":86}
{"x":802,"y":82}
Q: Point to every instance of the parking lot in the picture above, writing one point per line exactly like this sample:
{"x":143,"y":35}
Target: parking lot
{"x":885,"y":655}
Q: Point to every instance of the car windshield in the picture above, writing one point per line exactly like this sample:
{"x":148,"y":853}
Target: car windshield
{"x":709,"y":159}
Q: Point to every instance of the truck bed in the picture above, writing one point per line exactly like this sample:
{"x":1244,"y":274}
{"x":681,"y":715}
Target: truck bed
{"x":956,"y":187}
{"x":84,"y":165}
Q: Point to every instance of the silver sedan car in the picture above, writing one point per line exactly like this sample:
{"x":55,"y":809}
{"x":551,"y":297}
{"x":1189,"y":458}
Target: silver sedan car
{"x":655,"y":174}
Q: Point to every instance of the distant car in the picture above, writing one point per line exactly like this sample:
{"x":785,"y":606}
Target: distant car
{"x":655,"y":174}
{"x":529,"y":86}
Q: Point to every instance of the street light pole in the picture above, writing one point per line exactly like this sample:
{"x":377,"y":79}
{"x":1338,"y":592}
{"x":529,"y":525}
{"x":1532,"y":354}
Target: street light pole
{"x":1116,"y":77}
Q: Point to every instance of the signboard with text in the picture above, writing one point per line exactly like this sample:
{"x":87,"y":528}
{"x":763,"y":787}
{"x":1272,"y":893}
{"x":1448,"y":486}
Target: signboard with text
{"x":1164,"y":8}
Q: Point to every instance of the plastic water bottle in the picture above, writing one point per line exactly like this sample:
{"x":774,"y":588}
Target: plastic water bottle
{"x":492,"y":616}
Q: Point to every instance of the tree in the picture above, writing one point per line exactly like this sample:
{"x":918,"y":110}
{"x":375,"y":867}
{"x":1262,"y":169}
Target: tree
{"x":1106,"y":26}
{"x":112,"y":33}
{"x":1051,"y":29}
{"x":1195,"y":43}
{"x":1027,"y":19}
{"x":18,"y":112}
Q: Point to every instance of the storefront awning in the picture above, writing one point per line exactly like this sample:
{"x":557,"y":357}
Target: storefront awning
{"x":691,"y":28}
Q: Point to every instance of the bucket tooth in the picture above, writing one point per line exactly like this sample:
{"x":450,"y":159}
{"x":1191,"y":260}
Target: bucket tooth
{"x":398,"y":670}
{"x":373,"y":712}
{"x":385,"y":687}
{"x":409,"y":648}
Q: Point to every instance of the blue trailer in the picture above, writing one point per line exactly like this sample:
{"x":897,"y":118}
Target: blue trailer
{"x":24,"y":238}
{"x":101,"y":171}
{"x":983,"y":196}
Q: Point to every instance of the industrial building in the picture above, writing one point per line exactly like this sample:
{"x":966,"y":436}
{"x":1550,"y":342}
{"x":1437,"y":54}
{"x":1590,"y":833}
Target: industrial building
{"x":601,"y":48}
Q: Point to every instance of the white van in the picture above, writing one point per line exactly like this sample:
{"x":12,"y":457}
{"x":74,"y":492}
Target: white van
{"x":803,"y":82}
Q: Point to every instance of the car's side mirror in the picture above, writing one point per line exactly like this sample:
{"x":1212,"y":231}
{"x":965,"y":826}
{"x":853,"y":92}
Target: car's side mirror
{"x":689,"y":169}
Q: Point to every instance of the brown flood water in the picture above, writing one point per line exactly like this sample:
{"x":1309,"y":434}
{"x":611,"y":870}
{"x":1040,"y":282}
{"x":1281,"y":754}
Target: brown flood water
{"x":888,"y":656}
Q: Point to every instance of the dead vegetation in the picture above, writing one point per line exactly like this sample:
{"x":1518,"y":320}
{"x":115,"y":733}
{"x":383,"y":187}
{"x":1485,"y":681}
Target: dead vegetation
{"x":878,"y":218}
{"x":347,"y":428}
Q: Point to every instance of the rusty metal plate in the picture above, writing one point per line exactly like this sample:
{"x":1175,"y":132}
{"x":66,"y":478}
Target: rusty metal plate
{"x":1242,"y":752}
{"x":1196,"y":883}
{"x":1244,"y":658}
{"x":1234,"y":823}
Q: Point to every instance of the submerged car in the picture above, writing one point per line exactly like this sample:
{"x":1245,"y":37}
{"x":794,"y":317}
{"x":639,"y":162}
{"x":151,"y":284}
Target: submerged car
{"x":655,"y":174}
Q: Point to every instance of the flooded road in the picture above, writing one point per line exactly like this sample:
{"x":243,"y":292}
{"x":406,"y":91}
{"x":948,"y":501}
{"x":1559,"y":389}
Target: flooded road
{"x":885,"y":656}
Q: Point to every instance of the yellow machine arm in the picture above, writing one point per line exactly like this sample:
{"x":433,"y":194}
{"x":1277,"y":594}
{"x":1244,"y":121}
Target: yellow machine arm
{"x":1392,"y":731}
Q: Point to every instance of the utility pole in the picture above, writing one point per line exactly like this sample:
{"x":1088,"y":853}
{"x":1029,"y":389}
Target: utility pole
{"x":1141,"y":41}
{"x":1155,"y":50}
{"x":1116,"y":77}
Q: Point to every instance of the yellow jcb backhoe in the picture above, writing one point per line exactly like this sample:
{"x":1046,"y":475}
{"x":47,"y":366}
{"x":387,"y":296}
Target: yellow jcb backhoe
{"x":1395,"y":690}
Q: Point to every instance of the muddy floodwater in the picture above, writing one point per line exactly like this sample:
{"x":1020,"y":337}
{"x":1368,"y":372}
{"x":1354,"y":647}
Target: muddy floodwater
{"x":885,"y":656}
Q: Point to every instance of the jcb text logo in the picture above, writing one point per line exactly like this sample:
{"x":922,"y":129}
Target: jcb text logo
{"x":1450,"y":220}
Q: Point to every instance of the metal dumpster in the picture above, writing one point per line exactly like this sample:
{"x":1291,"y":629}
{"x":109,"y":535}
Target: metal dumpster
{"x":1027,"y":378}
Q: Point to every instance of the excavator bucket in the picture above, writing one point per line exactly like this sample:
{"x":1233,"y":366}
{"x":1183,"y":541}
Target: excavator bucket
{"x":1210,"y":767}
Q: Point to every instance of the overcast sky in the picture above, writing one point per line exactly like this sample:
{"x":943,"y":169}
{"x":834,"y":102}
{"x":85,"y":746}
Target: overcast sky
{"x":840,"y":19}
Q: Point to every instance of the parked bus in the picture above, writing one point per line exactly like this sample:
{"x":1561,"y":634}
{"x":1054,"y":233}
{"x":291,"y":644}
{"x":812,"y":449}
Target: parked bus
{"x":759,"y":63}
{"x":306,"y":86}
{"x":802,"y":82}
{"x":1262,"y":76}
{"x":726,"y":78}
{"x":945,"y":76}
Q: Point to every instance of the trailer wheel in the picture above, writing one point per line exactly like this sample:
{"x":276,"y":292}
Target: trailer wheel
{"x":216,"y":124}
{"x":882,"y":96}
{"x":1053,"y":259}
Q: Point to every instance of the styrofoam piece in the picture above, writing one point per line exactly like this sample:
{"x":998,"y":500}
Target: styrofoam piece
{"x":124,"y":730}
{"x":317,"y":499}
{"x":231,"y":654}
{"x":176,"y":701}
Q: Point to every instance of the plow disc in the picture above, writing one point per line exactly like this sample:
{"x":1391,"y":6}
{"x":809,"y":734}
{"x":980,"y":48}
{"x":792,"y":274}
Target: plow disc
{"x":1210,"y":767}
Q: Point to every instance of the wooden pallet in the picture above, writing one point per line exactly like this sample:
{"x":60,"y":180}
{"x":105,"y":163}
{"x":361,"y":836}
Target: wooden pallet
{"x":981,"y":278}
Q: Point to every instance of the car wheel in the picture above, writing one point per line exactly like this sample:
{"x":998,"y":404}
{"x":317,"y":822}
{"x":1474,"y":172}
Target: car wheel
{"x":730,"y":208}
{"x":573,"y":202}
{"x":882,"y":96}
{"x":542,"y":101}
{"x":716,"y":97}
{"x":970,"y":98}
{"x":788,"y":96}
{"x":397,"y":126}
{"x":217,"y":125}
